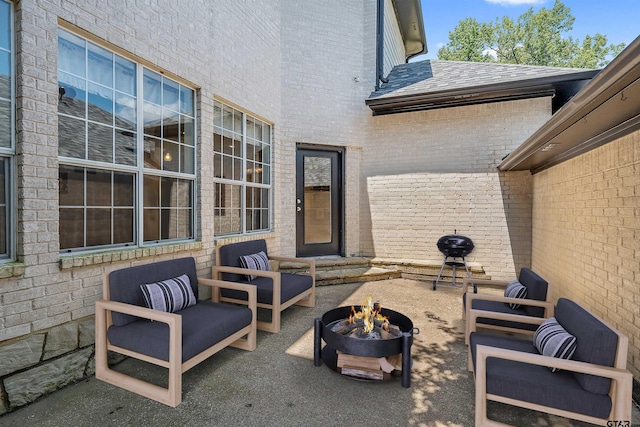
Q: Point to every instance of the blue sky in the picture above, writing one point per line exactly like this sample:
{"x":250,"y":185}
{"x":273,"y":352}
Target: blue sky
{"x":619,"y":20}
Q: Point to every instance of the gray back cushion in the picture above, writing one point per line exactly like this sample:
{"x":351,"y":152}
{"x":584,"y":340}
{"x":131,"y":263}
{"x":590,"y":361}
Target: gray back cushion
{"x":124,"y":284}
{"x":536,"y":289}
{"x":596,"y":343}
{"x":230,"y":256}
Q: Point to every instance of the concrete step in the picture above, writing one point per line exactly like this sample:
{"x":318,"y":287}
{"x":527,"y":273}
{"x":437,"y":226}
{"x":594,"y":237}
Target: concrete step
{"x":335,"y":270}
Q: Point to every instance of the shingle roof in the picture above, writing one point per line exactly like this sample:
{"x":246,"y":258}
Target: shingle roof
{"x":436,"y":75}
{"x":439,"y":84}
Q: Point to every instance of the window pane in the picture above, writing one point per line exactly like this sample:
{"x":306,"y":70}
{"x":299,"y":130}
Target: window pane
{"x":151,"y":224}
{"x":170,"y":124}
{"x":126,"y":153}
{"x":71,"y":53}
{"x":168,"y":192}
{"x":98,"y":188}
{"x":186,"y":132}
{"x":98,"y":227}
{"x":152,"y":87}
{"x":71,"y":189}
{"x":151,"y":191}
{"x":125,"y":112}
{"x":227,"y":167}
{"x":5,"y":123}
{"x":125,"y":80}
{"x":72,"y":96}
{"x":169,"y":223}
{"x":187,"y":159}
{"x":217,"y":114}
{"x":186,"y":101}
{"x":170,"y":95}
{"x":171,"y":157}
{"x":4,"y":217}
{"x":123,"y":189}
{"x":123,"y":220}
{"x":185,"y":194}
{"x":100,"y":107}
{"x":185,"y":218}
{"x":152,"y":153}
{"x":152,"y":119}
{"x":5,"y":74}
{"x":100,"y":65}
{"x":100,"y":143}
{"x":71,"y":137}
{"x":71,"y":228}
{"x":5,"y":25}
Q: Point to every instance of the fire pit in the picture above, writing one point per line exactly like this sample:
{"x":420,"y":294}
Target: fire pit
{"x":341,"y":340}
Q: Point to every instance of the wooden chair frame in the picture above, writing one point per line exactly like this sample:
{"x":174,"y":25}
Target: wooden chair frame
{"x":305,"y":299}
{"x":621,"y":384}
{"x":172,"y":395}
{"x":470,"y":296}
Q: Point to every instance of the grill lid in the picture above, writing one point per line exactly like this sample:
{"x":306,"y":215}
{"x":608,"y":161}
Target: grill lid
{"x":455,"y":245}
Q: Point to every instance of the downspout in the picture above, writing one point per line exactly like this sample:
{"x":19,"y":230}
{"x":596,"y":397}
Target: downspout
{"x":380,"y":45}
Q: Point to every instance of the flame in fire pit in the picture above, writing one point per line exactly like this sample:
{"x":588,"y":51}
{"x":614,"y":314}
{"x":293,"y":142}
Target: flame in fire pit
{"x":369,"y":313}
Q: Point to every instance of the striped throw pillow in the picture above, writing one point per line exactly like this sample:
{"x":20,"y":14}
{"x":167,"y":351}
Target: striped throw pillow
{"x":515,"y":289}
{"x":551,"y":339}
{"x":169,"y":295}
{"x":257,"y":261}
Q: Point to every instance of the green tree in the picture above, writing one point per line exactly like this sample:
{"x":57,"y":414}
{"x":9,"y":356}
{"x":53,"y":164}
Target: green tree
{"x":535,"y":38}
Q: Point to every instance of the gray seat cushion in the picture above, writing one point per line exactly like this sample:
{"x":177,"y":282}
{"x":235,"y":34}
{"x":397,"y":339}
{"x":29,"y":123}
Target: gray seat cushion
{"x":536,"y":384}
{"x":291,"y":285}
{"x":203,"y":325}
{"x":124,"y":284}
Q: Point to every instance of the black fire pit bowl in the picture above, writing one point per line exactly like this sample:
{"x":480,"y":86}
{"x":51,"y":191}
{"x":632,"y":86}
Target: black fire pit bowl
{"x":363,"y":346}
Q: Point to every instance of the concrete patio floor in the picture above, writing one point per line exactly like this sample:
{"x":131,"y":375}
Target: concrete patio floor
{"x":278,"y":384}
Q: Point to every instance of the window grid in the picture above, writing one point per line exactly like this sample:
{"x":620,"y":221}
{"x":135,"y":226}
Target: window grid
{"x":117,"y":117}
{"x":242,"y":172}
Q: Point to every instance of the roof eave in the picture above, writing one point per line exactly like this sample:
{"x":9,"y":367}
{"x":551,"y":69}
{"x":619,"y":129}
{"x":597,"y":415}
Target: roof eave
{"x":409,"y":14}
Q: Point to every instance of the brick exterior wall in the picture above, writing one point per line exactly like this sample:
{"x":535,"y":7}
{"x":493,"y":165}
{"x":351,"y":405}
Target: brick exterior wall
{"x":586,"y":234}
{"x":47,"y":300}
{"x":428,"y":173}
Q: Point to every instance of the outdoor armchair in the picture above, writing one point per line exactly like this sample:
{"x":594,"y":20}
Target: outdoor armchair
{"x":187,"y":332}
{"x":534,"y":303}
{"x":248,"y":262}
{"x":590,"y":383}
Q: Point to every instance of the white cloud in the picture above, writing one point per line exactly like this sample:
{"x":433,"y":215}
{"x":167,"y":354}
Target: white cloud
{"x":515,"y":2}
{"x":490,"y":52}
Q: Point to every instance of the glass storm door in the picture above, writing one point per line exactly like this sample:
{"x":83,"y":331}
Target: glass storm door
{"x":318,"y":202}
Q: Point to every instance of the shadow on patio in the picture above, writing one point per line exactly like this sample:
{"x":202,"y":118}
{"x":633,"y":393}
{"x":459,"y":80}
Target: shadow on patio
{"x":278,"y":385}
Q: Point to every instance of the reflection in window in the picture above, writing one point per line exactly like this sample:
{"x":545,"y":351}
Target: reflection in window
{"x":7,"y":99}
{"x":242,"y":172}
{"x":100,"y":140}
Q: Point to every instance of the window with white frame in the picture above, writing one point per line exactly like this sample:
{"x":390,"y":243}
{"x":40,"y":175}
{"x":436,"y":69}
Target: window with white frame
{"x":7,"y":99}
{"x":242,"y":172}
{"x":126,"y":147}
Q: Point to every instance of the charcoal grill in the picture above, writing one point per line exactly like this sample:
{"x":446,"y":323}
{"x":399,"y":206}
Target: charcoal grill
{"x":455,"y":247}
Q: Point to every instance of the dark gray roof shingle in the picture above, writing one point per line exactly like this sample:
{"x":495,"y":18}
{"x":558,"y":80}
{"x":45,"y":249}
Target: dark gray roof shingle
{"x":432,"y":76}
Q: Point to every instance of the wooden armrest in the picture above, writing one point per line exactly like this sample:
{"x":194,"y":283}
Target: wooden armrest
{"x":136,"y":310}
{"x":616,"y":374}
{"x":251,"y":290}
{"x":476,"y":314}
{"x":244,"y":271}
{"x":466,"y":281}
{"x":500,"y":298}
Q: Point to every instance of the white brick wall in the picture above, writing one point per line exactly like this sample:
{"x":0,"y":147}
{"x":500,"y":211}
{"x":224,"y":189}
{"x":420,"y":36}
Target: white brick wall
{"x":428,"y":173}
